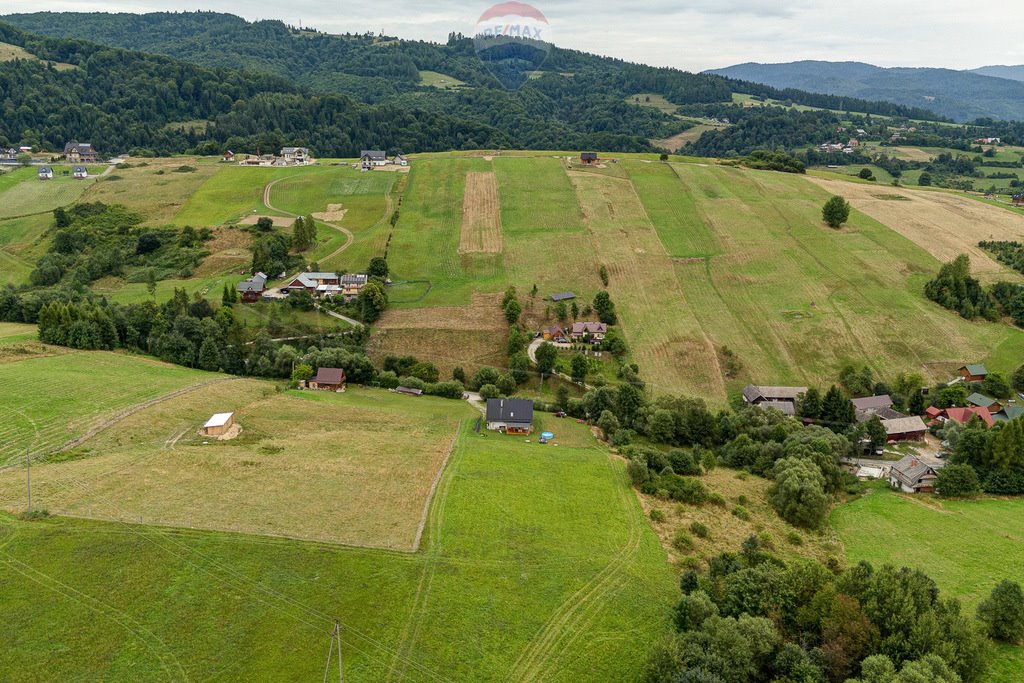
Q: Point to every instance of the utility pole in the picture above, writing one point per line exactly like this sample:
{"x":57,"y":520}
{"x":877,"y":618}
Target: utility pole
{"x":28,"y":477}
{"x":335,"y":640}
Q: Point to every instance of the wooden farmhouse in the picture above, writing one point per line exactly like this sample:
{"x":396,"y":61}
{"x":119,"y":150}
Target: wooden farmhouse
{"x":588,"y":158}
{"x":219,"y":424}
{"x":592,"y":332}
{"x":328,"y":379}
{"x":910,"y":428}
{"x":973,"y":373}
{"x":912,"y":475}
{"x":510,"y":415}
{"x":251,"y":289}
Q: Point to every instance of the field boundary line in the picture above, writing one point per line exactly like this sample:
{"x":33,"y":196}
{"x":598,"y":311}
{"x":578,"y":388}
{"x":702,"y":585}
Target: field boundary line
{"x":128,"y":412}
{"x":433,"y":488}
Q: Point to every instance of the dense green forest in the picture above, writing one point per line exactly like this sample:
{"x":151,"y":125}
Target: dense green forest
{"x":263,"y":84}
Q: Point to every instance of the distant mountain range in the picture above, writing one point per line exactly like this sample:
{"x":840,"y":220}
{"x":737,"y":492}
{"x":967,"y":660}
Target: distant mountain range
{"x":988,"y":92}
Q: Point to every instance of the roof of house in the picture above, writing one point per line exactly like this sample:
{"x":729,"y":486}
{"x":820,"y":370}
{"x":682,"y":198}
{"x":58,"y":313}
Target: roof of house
{"x":218,"y":420}
{"x":510,"y":410}
{"x":80,"y":147}
{"x":872,"y":402}
{"x":79,"y":169}
{"x":752,"y":392}
{"x":293,"y":150}
{"x":785,"y":407}
{"x":904,"y":425}
{"x":555,"y":330}
{"x":964,"y":415}
{"x":981,"y":400}
{"x":880,"y":413}
{"x":563,"y":296}
{"x":45,"y":169}
{"x":354,"y":279}
{"x":589,"y":328}
{"x":254,"y":284}
{"x":374,"y":154}
{"x":912,"y":469}
{"x":932,"y":411}
{"x":329,"y":376}
{"x":311,"y":280}
{"x":1009,"y":413}
{"x":588,"y":155}
{"x":975,"y":369}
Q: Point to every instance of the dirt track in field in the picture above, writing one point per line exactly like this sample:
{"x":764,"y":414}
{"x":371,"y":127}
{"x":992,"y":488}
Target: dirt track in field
{"x":943,"y":224}
{"x":481,"y":217}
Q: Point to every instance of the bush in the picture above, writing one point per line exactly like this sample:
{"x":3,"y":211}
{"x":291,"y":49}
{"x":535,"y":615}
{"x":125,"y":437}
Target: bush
{"x":657,"y":515}
{"x":798,"y":494}
{"x":693,"y":610}
{"x":717,"y":499}
{"x":489,"y":391}
{"x":638,"y":472}
{"x":700,"y":530}
{"x":794,"y":538}
{"x":836,"y":211}
{"x":957,"y":480}
{"x":743,"y":500}
{"x":1002,"y":612}
{"x":623,"y":437}
{"x":682,"y":541}
{"x":741,"y":512}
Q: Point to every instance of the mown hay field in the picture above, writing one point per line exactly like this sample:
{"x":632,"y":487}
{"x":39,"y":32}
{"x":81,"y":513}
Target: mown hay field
{"x":546,"y":545}
{"x":21,"y":193}
{"x":353,"y":468}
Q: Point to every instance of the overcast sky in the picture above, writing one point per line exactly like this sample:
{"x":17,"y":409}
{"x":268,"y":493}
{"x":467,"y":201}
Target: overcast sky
{"x":688,"y":34}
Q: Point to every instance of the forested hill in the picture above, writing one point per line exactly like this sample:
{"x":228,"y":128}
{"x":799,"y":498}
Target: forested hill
{"x":242,"y":85}
{"x":993,"y":92}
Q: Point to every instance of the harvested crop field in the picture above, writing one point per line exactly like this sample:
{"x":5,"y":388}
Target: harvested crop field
{"x":279,"y":221}
{"x":943,"y":224}
{"x":352,"y":468}
{"x":484,"y":313}
{"x":446,"y":349}
{"x":481,"y":215}
{"x":334,"y":213}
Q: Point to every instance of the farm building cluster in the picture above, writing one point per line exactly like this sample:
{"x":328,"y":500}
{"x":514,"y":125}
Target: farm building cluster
{"x":289,"y":156}
{"x":319,"y":285}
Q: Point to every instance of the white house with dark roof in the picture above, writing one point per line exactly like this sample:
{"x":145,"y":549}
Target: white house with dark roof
{"x":370,"y":158}
{"x":510,"y":415}
{"x":45,"y":173}
{"x":80,"y":172}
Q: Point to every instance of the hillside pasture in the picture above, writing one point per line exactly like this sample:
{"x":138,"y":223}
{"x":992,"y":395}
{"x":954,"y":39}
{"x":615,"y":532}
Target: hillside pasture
{"x":546,"y":546}
{"x":942,"y":223}
{"x":967,"y":547}
{"x":22,"y":193}
{"x":228,"y":195}
{"x":10,"y":52}
{"x":22,"y":242}
{"x":352,"y":469}
{"x":45,"y":402}
{"x":152,"y":187}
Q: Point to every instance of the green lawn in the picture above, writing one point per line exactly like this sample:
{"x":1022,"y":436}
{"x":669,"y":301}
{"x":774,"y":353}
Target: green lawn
{"x":22,"y":242}
{"x":538,"y":565}
{"x":232,"y":193}
{"x":435,"y":79}
{"x":967,"y":547}
{"x":45,"y":402}
{"x":22,"y":193}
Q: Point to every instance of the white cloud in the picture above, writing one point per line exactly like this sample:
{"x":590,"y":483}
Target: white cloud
{"x":693,"y":34}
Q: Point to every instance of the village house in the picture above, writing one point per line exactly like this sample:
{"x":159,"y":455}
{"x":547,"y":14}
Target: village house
{"x":981,"y":401}
{"x":219,"y":424}
{"x":1008,"y":413}
{"x":228,"y":156}
{"x":328,"y":379}
{"x":510,"y":415}
{"x":310,"y":282}
{"x":252,"y":288}
{"x":352,"y":284}
{"x":400,"y":160}
{"x":80,"y":153}
{"x":591,"y":332}
{"x":755,"y":395}
{"x":975,"y":372}
{"x":370,"y":158}
{"x":961,"y":415}
{"x":296,"y":156}
{"x":875,"y":406}
{"x":588,"y":158}
{"x":45,"y":173}
{"x":556,"y":334}
{"x":9,"y":156}
{"x":910,"y":428}
{"x":912,"y":475}
{"x":787,"y":408}
{"x":80,"y":172}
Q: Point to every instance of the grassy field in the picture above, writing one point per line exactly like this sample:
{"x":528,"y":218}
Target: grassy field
{"x":230,"y":194}
{"x":352,"y":469}
{"x":537,"y":565}
{"x":22,"y":242}
{"x":433,"y":79}
{"x":21,"y":193}
{"x":153,"y":187}
{"x":967,"y":547}
{"x":10,"y":52}
{"x":41,"y":411}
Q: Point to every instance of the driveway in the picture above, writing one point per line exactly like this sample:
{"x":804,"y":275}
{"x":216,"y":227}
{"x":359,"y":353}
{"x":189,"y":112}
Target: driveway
{"x":531,"y":351}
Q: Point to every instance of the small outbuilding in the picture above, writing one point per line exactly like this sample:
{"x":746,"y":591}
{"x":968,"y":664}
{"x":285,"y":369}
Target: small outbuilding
{"x":588,"y":157}
{"x":975,"y":372}
{"x":219,"y":424}
{"x":563,"y":296}
{"x":328,"y":379}
{"x":910,"y":428}
{"x":510,"y":415}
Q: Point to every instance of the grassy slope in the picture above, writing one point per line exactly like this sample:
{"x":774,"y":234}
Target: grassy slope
{"x":538,"y":561}
{"x":21,"y":193}
{"x":966,"y":546}
{"x":45,"y":402}
{"x":22,"y":242}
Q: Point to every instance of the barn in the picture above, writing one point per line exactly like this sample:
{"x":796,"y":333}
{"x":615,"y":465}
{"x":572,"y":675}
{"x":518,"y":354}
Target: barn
{"x":328,"y":379}
{"x":219,"y":424}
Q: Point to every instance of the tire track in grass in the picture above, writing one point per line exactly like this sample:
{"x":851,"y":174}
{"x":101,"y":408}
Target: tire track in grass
{"x":418,"y":611}
{"x":349,"y":237}
{"x":569,"y":620}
